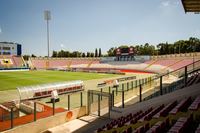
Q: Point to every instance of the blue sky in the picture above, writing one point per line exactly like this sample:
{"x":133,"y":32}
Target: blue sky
{"x":88,"y":24}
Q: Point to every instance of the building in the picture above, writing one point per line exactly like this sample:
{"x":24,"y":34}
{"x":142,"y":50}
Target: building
{"x":10,"y":48}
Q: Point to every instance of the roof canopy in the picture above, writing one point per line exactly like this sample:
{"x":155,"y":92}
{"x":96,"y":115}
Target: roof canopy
{"x":191,"y":5}
{"x":28,"y":92}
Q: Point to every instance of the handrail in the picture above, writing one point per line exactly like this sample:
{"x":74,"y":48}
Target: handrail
{"x":180,"y":68}
{"x":158,"y":76}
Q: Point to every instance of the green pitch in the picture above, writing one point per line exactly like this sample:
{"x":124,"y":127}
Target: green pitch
{"x":11,"y":80}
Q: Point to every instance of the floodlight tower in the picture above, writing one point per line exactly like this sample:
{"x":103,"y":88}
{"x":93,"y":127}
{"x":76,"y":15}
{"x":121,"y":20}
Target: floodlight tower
{"x":47,"y":17}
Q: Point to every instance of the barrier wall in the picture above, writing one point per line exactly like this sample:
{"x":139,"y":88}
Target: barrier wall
{"x":41,"y":124}
{"x":177,"y":56}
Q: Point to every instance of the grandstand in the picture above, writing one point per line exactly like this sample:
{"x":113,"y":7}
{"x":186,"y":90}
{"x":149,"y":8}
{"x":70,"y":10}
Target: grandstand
{"x":148,"y":79}
{"x":11,"y":61}
{"x":156,"y":64}
{"x":106,"y":101}
{"x":143,"y":94}
{"x":53,"y":63}
{"x":10,"y":56}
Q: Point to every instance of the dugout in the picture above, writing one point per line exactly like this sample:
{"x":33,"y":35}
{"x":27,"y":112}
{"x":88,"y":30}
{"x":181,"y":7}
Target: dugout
{"x":44,"y":90}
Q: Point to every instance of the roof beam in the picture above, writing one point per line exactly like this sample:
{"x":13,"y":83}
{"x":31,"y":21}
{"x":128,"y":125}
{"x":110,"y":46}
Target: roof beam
{"x":191,"y":5}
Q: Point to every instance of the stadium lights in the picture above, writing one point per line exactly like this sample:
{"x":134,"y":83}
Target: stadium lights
{"x":47,"y":17}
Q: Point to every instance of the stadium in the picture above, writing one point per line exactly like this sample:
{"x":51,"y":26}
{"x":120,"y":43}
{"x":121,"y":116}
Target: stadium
{"x":127,"y":92}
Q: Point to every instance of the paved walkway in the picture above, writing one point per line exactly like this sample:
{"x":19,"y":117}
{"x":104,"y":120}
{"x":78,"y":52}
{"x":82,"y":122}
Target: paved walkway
{"x":86,"y":124}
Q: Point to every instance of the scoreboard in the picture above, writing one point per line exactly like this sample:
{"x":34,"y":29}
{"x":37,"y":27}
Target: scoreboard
{"x":125,"y":51}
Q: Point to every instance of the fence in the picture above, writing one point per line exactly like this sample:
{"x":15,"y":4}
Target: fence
{"x":26,"y":111}
{"x":134,"y":91}
{"x":106,"y":98}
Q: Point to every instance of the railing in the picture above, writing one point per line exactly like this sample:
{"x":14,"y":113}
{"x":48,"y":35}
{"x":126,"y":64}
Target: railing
{"x":181,"y":82}
{"x":30,"y":111}
{"x":130,"y":92}
{"x":127,"y":93}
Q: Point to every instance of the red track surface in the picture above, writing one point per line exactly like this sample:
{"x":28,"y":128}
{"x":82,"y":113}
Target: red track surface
{"x":134,"y":71}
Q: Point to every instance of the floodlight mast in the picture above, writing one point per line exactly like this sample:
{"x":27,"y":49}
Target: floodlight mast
{"x":47,"y":17}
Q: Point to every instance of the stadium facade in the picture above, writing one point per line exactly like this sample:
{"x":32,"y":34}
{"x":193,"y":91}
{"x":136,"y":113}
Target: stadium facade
{"x":10,"y":48}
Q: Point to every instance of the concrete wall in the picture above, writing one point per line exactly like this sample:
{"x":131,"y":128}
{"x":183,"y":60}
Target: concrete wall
{"x":49,"y":122}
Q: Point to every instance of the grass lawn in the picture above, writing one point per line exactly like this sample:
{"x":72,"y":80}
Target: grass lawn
{"x":11,"y":80}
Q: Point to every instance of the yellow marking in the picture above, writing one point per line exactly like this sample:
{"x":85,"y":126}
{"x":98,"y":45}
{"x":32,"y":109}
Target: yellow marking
{"x":23,"y":60}
{"x":90,"y":63}
{"x":150,"y":64}
{"x":69,"y":64}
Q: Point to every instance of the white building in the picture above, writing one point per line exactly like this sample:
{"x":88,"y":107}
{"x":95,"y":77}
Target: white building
{"x":10,"y":48}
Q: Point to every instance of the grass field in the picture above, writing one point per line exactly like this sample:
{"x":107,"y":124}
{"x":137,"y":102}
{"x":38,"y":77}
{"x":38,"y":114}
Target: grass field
{"x":11,"y":80}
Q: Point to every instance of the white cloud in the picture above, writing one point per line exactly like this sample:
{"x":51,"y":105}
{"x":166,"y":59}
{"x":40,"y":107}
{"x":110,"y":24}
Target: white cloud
{"x":176,"y":3}
{"x":61,"y":45}
{"x":165,"y":3}
{"x":0,"y":30}
{"x":168,"y":7}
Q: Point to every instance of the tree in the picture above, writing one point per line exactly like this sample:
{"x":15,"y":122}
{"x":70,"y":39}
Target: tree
{"x":193,"y":42}
{"x":180,"y":46}
{"x":123,"y":46}
{"x":76,"y":54}
{"x":111,"y":51}
{"x":66,"y":54}
{"x":26,"y":57}
{"x":161,"y":49}
{"x":33,"y":55}
{"x":88,"y":54}
{"x":83,"y":54}
{"x":96,"y":52}
{"x":54,"y":54}
{"x":137,"y":49}
{"x":92,"y":55}
{"x":99,"y":52}
{"x":197,"y":45}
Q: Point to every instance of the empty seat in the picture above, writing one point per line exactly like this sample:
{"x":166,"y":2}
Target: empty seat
{"x":165,"y":110}
{"x":181,"y":106}
{"x":195,"y":105}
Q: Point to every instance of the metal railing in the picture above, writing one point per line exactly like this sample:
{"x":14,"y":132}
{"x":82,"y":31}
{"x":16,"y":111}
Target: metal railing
{"x":139,"y":90}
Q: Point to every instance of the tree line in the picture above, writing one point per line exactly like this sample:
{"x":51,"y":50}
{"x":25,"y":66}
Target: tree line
{"x":180,"y":46}
{"x":63,"y":53}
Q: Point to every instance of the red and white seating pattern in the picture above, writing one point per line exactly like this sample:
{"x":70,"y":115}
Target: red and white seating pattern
{"x":42,"y":63}
{"x":16,"y":61}
{"x":181,"y":64}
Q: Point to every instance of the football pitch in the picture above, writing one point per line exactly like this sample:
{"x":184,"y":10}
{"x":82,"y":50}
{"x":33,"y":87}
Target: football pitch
{"x":11,"y":80}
